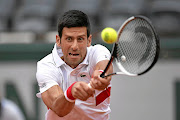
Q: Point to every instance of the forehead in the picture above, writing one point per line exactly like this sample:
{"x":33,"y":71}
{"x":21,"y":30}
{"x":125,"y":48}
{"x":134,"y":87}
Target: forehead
{"x":74,"y":31}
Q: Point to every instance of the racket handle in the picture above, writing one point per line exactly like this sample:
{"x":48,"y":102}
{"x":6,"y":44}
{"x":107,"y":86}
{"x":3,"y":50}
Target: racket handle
{"x":107,"y":67}
{"x":89,"y":85}
{"x":102,"y":75}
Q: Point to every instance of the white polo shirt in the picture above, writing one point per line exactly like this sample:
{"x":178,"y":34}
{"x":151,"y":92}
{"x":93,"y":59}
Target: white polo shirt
{"x":52,"y":70}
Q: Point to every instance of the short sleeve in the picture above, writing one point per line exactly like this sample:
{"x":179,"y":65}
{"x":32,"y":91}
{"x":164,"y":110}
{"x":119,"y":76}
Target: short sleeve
{"x":100,"y":53}
{"x":47,"y":75}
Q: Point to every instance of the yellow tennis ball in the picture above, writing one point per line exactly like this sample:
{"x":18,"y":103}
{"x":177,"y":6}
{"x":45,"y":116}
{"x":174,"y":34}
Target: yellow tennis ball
{"x":109,"y":35}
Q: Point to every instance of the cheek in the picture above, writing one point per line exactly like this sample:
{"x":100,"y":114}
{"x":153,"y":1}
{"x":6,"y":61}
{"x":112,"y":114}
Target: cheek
{"x":64,"y":48}
{"x":84,"y":50}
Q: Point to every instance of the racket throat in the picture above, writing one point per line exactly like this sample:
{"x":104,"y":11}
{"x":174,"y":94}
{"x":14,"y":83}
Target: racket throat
{"x":121,"y":73}
{"x":107,"y":67}
{"x":110,"y":74}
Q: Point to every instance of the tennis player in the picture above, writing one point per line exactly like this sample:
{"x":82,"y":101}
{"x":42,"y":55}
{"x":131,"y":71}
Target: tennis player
{"x":63,"y":76}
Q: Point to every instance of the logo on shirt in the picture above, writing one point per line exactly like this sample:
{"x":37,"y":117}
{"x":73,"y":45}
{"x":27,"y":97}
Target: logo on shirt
{"x":43,"y":85}
{"x":82,"y":75}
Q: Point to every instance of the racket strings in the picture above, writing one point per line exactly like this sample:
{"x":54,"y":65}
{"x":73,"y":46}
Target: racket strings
{"x":136,"y":48}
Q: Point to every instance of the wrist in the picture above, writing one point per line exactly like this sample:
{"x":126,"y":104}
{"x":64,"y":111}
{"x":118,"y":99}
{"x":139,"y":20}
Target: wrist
{"x":68,"y":94}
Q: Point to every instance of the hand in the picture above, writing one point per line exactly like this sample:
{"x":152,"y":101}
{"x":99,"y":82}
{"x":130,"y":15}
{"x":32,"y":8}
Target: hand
{"x":82,"y":91}
{"x":98,"y":82}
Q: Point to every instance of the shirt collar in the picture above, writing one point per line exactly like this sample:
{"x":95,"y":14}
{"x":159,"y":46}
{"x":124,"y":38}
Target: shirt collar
{"x":86,"y":60}
{"x":57,"y":54}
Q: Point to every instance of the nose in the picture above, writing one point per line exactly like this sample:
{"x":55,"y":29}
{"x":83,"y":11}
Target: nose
{"x":75,"y":45}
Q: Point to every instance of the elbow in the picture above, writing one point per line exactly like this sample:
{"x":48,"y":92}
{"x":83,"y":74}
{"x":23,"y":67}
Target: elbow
{"x":63,"y":108}
{"x":62,"y":113}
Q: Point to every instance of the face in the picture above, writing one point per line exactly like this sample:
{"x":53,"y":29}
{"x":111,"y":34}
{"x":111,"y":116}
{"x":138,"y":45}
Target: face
{"x":74,"y":43}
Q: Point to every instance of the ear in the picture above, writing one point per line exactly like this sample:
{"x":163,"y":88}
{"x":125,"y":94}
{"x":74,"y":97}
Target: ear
{"x":58,"y":41}
{"x":89,"y":40}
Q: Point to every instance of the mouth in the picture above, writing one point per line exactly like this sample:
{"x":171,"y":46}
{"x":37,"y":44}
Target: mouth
{"x":71,"y":54}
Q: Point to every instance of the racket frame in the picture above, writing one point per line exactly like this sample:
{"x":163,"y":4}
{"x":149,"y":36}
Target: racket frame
{"x":113,"y":51}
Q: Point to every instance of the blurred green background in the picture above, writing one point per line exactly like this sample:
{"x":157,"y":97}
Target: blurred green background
{"x":27,"y":34}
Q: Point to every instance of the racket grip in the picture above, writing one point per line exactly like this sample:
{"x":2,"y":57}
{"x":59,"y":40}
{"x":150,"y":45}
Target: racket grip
{"x":89,"y":85}
{"x":102,"y":75}
{"x":93,"y":95}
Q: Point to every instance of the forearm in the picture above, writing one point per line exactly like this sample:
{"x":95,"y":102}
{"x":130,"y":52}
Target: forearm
{"x":61,"y":106}
{"x":102,"y":65}
{"x":65,"y":102}
{"x":101,"y":83}
{"x":55,"y":100}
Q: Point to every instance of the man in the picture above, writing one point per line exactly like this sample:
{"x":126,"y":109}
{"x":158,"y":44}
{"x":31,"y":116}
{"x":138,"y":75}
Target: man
{"x":69,"y":77}
{"x":9,"y":110}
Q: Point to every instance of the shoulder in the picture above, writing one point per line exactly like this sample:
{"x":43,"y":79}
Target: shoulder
{"x":98,"y":47}
{"x":98,"y":50}
{"x":48,"y":73}
{"x":47,"y":61}
{"x":98,"y":53}
{"x":11,"y":110}
{"x":46,"y":67}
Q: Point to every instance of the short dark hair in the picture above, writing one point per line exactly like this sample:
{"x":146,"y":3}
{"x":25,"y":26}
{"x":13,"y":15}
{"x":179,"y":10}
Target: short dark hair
{"x":73,"y":18}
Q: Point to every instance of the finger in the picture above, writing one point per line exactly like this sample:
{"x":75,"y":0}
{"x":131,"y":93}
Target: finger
{"x":93,"y":83}
{"x":96,"y":84}
{"x":97,"y":73}
{"x":90,"y":90}
{"x":100,"y":84}
{"x":85,"y":91}
{"x":105,"y":80}
{"x":79,"y":91}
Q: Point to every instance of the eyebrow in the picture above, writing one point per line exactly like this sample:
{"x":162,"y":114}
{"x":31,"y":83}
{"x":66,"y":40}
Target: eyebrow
{"x":83,"y":35}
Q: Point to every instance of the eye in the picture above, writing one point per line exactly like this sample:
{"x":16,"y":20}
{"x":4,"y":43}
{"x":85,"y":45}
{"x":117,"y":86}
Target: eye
{"x":80,"y":39}
{"x":69,"y":39}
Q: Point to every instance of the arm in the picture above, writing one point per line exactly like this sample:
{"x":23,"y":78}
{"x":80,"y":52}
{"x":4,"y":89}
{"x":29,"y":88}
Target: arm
{"x":101,"y":83}
{"x":55,"y":100}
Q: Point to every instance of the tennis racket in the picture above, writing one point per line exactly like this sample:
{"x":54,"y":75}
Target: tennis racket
{"x":137,"y":47}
